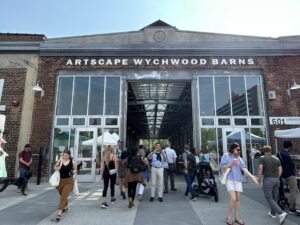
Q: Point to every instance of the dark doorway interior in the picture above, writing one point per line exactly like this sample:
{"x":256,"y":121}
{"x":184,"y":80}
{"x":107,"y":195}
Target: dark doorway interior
{"x":159,"y":110}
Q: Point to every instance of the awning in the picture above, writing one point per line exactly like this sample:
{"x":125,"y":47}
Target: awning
{"x":289,"y":133}
{"x":105,"y":139}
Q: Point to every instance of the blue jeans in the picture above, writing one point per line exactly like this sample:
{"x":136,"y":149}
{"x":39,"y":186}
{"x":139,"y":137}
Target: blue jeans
{"x":188,"y":179}
{"x":23,"y":184}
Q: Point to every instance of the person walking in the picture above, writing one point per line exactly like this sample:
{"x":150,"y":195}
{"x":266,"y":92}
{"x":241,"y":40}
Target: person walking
{"x":108,"y":170}
{"x":205,"y":155}
{"x":270,"y":167}
{"x":144,"y":174}
{"x":170,"y":169}
{"x":134,"y":174}
{"x":25,"y":160}
{"x":234,"y":181}
{"x":66,"y":167}
{"x":189,"y":163}
{"x":199,"y":166}
{"x":157,"y":157}
{"x":122,"y":173}
{"x":288,"y":173}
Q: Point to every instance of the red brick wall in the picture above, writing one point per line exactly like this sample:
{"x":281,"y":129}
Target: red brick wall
{"x":277,"y":72}
{"x":13,"y":89}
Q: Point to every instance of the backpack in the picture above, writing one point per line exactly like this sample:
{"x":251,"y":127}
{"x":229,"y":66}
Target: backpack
{"x":137,"y":165}
{"x":191,"y":162}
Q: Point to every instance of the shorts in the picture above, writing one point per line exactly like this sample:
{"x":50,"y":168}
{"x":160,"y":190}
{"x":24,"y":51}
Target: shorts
{"x":233,"y":185}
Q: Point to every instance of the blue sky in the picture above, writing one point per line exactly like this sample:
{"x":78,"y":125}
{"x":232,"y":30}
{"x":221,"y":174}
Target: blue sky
{"x":60,"y":18}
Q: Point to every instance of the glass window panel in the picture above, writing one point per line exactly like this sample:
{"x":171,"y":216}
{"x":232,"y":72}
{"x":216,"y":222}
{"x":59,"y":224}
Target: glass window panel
{"x":60,"y":143}
{"x":112,"y":96}
{"x":111,"y":121}
{"x":255,"y":100}
{"x":64,"y":96}
{"x":85,"y":150}
{"x":220,"y":142}
{"x":224,"y":121}
{"x":99,"y":151}
{"x":96,"y":96}
{"x":257,"y":141}
{"x":62,"y":121}
{"x":222,"y":96}
{"x":78,"y":121}
{"x":111,"y":136}
{"x":206,"y":96}
{"x":95,"y":121}
{"x":240,"y":121}
{"x":209,"y":139}
{"x":238,"y":96}
{"x":80,"y":96}
{"x":257,"y":121}
{"x":208,"y":121}
{"x":72,"y":140}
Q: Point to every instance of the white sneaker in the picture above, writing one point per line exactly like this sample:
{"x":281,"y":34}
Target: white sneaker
{"x":282,"y":217}
{"x":271,"y":215}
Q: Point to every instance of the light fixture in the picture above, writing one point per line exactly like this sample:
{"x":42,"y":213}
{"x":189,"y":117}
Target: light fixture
{"x":38,"y":88}
{"x":295,"y":86}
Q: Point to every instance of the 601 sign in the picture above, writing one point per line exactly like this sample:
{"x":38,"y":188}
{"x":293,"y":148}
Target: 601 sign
{"x":277,"y":121}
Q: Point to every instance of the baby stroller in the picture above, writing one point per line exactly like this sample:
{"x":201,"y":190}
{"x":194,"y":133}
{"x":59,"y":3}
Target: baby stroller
{"x":206,"y":182}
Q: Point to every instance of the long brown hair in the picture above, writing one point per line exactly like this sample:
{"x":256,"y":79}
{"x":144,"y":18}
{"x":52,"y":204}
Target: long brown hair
{"x":107,"y":153}
{"x":233,"y":146}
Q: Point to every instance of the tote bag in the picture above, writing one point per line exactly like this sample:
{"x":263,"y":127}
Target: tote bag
{"x":223,"y":175}
{"x":54,"y":179}
{"x":75,"y":187}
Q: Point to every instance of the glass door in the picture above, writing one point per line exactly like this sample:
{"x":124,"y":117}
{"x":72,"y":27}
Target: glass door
{"x":85,"y":151}
{"x":230,"y":135}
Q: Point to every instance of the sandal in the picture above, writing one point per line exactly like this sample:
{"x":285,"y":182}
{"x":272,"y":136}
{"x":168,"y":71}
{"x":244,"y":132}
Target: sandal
{"x":58,"y":217}
{"x":240,"y":222}
{"x":229,"y":221}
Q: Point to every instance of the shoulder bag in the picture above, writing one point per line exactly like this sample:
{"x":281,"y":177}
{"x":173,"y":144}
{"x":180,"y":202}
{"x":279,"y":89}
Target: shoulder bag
{"x":55,"y":177}
{"x":223,"y":175}
{"x":75,"y":187}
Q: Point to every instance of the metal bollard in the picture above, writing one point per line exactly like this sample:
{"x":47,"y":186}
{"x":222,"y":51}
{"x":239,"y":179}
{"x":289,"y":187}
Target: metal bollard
{"x":40,"y":164}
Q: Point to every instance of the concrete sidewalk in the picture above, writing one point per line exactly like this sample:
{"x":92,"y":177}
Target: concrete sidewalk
{"x":85,"y":208}
{"x":10,"y":196}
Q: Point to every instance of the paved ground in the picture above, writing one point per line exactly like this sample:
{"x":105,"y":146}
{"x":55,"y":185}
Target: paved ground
{"x":39,"y":208}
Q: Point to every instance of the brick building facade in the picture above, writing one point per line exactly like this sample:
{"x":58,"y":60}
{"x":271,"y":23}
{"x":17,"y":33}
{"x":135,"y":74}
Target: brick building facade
{"x":276,"y":61}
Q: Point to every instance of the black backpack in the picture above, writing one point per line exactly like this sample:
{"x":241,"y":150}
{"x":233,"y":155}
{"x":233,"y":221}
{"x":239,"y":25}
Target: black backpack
{"x":137,"y":165}
{"x":191,"y":162}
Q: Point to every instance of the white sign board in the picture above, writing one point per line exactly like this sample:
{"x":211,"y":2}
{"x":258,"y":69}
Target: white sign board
{"x":284,"y":120}
{"x":2,"y":122}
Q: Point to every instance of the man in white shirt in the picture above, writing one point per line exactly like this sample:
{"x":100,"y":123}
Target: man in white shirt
{"x":170,"y":168}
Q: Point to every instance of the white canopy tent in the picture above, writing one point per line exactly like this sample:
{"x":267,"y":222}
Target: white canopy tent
{"x":236,"y":136}
{"x":115,"y":136}
{"x":288,"y":133}
{"x":105,"y":139}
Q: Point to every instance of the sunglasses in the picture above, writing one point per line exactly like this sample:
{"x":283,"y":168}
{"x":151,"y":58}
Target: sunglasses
{"x":238,"y":149}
